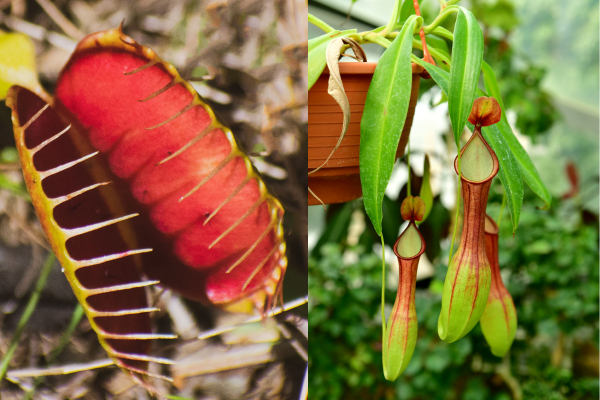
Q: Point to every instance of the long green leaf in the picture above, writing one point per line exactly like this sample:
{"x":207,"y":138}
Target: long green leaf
{"x":383,"y":120}
{"x":426,"y":194}
{"x":407,"y":9}
{"x":316,"y":53}
{"x":528,"y":170}
{"x":467,"y":53}
{"x":491,"y":86}
{"x":509,"y":172}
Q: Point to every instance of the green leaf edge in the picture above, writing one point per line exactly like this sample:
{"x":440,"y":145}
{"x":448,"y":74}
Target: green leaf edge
{"x":374,"y":188}
{"x":528,"y":169}
{"x":467,"y":52}
{"x":513,"y":187}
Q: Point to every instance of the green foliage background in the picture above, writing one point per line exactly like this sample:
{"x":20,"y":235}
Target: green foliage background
{"x":551,"y":270}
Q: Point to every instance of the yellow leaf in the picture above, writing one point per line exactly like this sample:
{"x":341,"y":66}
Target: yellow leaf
{"x":17,"y":63}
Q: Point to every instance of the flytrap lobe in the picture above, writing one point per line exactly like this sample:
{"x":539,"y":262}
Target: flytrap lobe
{"x":467,"y":283}
{"x":89,"y":228}
{"x":499,"y":319}
{"x":136,"y":183}
{"x":401,"y":331}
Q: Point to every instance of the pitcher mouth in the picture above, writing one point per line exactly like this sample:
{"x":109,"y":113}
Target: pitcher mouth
{"x":395,"y":247}
{"x":495,"y":167}
{"x":491,"y":227}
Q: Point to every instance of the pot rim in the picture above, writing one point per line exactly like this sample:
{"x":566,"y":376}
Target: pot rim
{"x":366,"y":68}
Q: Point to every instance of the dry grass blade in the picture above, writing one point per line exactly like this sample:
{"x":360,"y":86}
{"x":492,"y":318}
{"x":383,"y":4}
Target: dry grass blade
{"x":38,"y":32}
{"x":33,"y":300}
{"x":66,"y":25}
{"x":278,"y":310}
{"x":61,"y":370}
{"x":304,"y":393}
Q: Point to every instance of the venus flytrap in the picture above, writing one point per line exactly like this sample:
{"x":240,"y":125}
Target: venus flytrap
{"x":175,"y":202}
{"x":401,"y":331}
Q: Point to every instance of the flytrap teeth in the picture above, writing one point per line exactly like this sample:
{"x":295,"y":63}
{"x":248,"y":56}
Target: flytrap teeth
{"x":123,"y":312}
{"x":47,"y":141}
{"x":231,"y":196}
{"x":214,"y":172}
{"x":89,"y":228}
{"x":247,"y":253}
{"x":177,"y":114}
{"x":142,"y":372}
{"x":50,"y":172}
{"x":141,"y":357}
{"x":255,"y":206}
{"x":116,"y":288}
{"x":128,"y":41}
{"x":58,"y":200}
{"x":35,"y":116}
{"x":203,"y":133}
{"x":160,"y":91}
{"x":259,"y":267}
{"x":111,"y":257}
{"x":143,"y":67}
{"x":137,"y":336}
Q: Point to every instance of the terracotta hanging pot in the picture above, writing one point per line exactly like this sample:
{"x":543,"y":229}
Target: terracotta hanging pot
{"x":338,"y":181}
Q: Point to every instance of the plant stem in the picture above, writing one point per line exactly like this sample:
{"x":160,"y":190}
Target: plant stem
{"x":393,"y":18}
{"x":451,"y":2}
{"x":443,"y":33}
{"x":378,"y":39}
{"x":418,"y":45}
{"x":64,"y":339}
{"x":434,"y":52}
{"x":440,"y":18}
{"x":503,"y":370}
{"x":31,"y":304}
{"x":320,"y":24}
{"x":408,"y":191}
{"x":426,"y":55}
